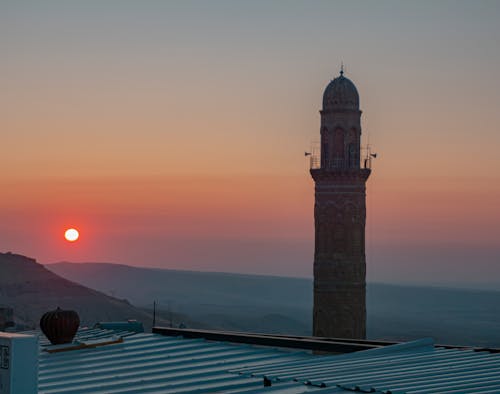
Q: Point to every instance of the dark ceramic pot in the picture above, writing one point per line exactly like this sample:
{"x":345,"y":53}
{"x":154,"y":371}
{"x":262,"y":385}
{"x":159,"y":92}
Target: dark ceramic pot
{"x":60,"y":326}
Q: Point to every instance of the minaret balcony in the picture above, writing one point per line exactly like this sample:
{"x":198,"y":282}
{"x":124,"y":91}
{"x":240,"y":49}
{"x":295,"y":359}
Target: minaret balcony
{"x":315,"y":163}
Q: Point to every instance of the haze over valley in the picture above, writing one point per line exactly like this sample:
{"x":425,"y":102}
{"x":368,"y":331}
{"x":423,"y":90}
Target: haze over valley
{"x":284,"y":305}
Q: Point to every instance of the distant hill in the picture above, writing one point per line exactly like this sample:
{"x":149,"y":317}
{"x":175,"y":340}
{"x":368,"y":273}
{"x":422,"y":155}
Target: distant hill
{"x":216,"y":300}
{"x":284,"y":305}
{"x":31,"y":290}
{"x":143,"y":285}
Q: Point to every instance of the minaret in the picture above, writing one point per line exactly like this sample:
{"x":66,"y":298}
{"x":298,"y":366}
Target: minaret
{"x":340,"y":216}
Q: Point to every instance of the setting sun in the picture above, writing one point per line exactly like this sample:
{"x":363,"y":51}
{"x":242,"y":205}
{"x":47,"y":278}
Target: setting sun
{"x":71,"y":235}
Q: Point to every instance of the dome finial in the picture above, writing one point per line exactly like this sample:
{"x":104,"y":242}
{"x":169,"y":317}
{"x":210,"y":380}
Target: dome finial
{"x":341,"y":69}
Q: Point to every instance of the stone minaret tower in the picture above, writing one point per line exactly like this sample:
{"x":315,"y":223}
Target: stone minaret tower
{"x":340,"y":215}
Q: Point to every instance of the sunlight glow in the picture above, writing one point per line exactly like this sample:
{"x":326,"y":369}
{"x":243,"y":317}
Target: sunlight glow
{"x":71,"y":235}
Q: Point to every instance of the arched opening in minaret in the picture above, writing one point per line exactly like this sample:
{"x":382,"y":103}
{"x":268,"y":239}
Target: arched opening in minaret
{"x":353,"y":157}
{"x":325,"y":149}
{"x":352,"y":149}
{"x":338,"y":148}
{"x":325,"y":155}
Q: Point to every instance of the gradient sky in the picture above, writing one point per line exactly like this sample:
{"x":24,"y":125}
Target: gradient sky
{"x":172,"y":133}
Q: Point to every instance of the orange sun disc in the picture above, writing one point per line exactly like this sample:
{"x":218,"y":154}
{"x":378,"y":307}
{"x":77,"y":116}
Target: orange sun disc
{"x":71,"y":235}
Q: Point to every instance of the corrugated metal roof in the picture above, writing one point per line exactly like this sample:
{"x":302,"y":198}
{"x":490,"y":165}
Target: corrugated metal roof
{"x":152,"y":363}
{"x":413,"y":367}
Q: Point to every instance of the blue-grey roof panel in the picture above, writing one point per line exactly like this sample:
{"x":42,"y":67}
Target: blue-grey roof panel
{"x":152,"y":363}
{"x":414,"y":367}
{"x":148,"y":363}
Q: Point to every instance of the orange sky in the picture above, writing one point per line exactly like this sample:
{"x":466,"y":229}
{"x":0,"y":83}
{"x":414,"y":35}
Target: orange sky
{"x":173,"y":135}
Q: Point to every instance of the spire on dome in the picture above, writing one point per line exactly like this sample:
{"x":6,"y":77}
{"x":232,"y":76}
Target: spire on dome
{"x":341,"y":69}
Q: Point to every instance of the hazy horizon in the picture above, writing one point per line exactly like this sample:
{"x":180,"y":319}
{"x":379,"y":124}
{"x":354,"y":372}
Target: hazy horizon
{"x":484,"y":286}
{"x":284,"y":305}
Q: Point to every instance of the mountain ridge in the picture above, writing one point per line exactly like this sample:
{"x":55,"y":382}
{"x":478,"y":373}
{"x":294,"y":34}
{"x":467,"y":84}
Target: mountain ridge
{"x":30,"y":290}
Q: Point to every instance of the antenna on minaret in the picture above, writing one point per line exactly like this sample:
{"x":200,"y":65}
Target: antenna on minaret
{"x":369,"y":157}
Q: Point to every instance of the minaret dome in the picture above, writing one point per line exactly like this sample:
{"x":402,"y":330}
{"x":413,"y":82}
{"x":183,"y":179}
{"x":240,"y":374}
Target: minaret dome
{"x":340,"y":94}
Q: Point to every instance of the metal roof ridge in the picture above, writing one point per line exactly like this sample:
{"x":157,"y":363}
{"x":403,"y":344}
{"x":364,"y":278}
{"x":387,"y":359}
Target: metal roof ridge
{"x":419,"y":343}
